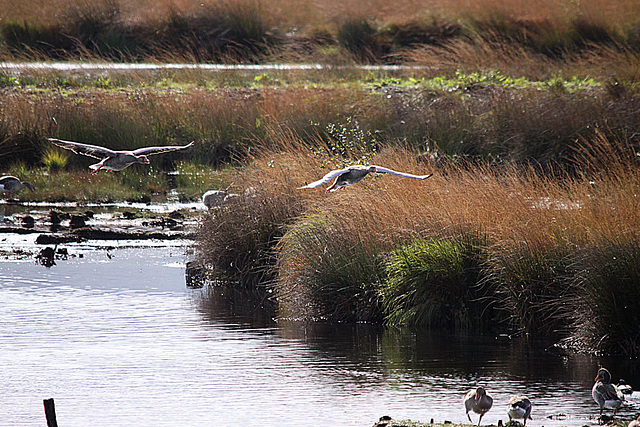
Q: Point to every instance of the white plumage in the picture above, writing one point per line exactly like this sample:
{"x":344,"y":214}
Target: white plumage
{"x":354,"y":174}
{"x":112,"y":160}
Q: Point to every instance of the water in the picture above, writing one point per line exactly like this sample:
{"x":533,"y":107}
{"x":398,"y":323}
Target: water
{"x":117,"y":66}
{"x":117,"y":339}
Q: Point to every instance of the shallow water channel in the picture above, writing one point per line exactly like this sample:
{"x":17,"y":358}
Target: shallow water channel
{"x":116,"y":338}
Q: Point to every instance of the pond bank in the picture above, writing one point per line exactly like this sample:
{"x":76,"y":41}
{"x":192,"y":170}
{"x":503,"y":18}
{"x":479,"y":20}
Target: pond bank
{"x":59,"y":224}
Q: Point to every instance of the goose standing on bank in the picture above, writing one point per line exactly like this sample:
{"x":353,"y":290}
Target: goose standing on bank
{"x":11,"y":184}
{"x":111,"y":160}
{"x":519,"y":408}
{"x":354,"y":174}
{"x":477,"y":401}
{"x":606,"y":394}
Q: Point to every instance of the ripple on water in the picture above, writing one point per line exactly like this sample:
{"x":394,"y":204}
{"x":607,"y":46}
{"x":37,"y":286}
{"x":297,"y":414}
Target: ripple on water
{"x":135,"y":347}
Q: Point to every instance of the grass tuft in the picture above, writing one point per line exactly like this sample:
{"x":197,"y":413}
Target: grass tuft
{"x":434,"y":283}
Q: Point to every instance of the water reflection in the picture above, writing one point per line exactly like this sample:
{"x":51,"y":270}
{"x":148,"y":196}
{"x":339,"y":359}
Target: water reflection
{"x":430,"y":370}
{"x":123,"y":336}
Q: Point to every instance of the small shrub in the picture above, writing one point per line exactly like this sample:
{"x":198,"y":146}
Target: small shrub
{"x":329,"y":270}
{"x":526,"y":280}
{"x":7,"y":80}
{"x":238,"y":241}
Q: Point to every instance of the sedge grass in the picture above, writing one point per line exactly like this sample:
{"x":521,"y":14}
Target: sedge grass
{"x":539,"y":230}
{"x":82,"y":186}
{"x":434,"y":283}
{"x":469,"y":115}
{"x":549,"y":39}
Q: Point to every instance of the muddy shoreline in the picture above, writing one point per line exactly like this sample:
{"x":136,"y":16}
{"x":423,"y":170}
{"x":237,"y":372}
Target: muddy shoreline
{"x":48,"y":228}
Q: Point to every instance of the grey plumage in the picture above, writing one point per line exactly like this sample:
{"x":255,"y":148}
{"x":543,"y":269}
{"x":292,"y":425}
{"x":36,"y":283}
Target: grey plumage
{"x":519,"y":408}
{"x":356,"y":173}
{"x":606,"y":394}
{"x":624,"y":387}
{"x":10,"y":184}
{"x":112,"y":160}
{"x":478,"y":401}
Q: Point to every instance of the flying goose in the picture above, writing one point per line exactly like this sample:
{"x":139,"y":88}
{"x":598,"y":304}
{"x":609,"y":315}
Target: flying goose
{"x":519,"y":408}
{"x":11,"y":184}
{"x":111,"y":160}
{"x":354,"y":174}
{"x":477,"y":401}
{"x":606,"y":394}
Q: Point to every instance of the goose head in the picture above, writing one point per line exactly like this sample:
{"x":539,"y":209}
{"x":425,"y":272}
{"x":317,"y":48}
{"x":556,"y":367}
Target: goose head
{"x":603,"y":375}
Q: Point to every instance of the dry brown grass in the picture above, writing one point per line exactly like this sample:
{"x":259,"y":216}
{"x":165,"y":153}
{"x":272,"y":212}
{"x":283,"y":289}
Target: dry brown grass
{"x":325,"y":253}
{"x":618,"y":12}
{"x":534,"y":217}
{"x":519,"y":38}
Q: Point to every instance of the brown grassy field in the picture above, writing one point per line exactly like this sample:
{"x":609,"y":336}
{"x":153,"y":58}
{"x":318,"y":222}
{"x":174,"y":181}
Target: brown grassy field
{"x":530,"y":240}
{"x":526,"y":112}
{"x":537,"y":40}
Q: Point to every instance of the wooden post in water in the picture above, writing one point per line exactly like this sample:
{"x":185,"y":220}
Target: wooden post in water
{"x":50,"y":412}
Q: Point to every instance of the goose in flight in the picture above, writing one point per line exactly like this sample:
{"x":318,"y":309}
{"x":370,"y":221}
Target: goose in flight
{"x":606,"y":394}
{"x":354,"y":174}
{"x":111,"y":160}
{"x":11,"y":184}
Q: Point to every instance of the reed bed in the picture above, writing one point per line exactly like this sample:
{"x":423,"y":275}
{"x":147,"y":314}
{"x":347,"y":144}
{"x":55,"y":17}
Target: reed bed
{"x":470,"y":115}
{"x":474,"y":246}
{"x":551,"y":38}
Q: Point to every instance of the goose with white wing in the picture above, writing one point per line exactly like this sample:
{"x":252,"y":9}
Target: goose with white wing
{"x":356,"y":173}
{"x":112,"y":160}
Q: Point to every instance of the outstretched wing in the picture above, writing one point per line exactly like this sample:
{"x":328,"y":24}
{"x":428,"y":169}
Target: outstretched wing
{"x":88,"y":150}
{"x":380,"y":169}
{"x":328,"y":177}
{"x":147,"y":151}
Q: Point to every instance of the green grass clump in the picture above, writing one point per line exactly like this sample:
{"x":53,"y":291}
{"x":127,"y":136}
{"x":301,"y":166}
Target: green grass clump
{"x":55,"y":159}
{"x":605,"y":302}
{"x":329,"y":270}
{"x":82,"y":186}
{"x":433,"y":283}
{"x":557,"y":258}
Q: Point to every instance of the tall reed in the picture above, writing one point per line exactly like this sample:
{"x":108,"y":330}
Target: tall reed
{"x":379,"y":248}
{"x":256,"y":31}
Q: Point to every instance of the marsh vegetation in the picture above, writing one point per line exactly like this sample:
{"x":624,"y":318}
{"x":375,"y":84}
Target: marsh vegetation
{"x":529,"y":120}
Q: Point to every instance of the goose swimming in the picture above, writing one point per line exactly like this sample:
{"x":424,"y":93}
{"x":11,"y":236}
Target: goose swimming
{"x":356,"y":173}
{"x":111,"y":160}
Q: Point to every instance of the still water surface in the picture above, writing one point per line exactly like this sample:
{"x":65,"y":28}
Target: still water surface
{"x":117,"y":339}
